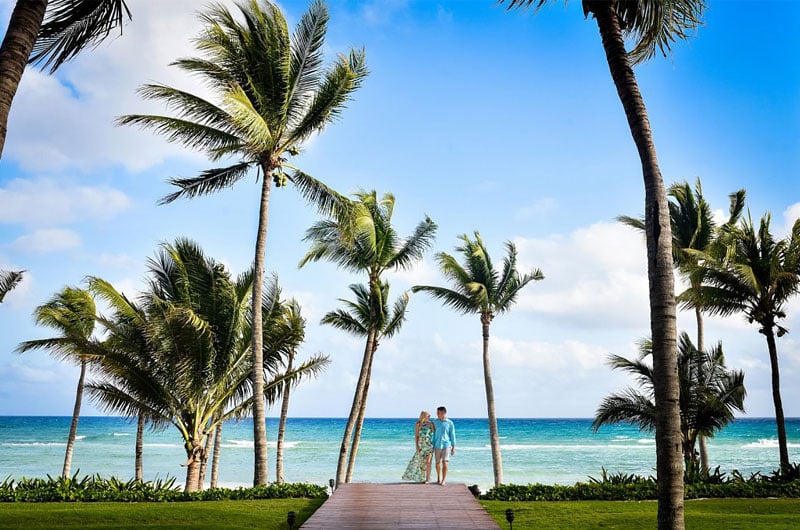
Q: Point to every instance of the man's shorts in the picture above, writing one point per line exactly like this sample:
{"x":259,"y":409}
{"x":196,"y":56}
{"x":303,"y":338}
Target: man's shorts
{"x":442,"y":454}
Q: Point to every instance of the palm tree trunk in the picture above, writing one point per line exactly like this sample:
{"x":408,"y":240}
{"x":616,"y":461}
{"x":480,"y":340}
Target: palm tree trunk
{"x":204,"y":464}
{"x":358,"y":396}
{"x":282,"y":423}
{"x":23,"y":27}
{"x":494,"y":437}
{"x":362,"y":410}
{"x":215,"y":458}
{"x":139,"y":467}
{"x":783,"y":449}
{"x":73,"y":428}
{"x":700,"y":329}
{"x":193,"y":465}
{"x":701,"y":440}
{"x":669,"y":462}
{"x":259,"y":409}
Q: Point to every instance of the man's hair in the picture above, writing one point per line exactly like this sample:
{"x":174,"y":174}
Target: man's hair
{"x":442,"y":409}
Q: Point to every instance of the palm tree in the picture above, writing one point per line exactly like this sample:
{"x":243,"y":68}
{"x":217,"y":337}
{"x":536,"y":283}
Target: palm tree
{"x":272,"y":94}
{"x":477,"y":288}
{"x":355,"y":319}
{"x":296,"y":327}
{"x":651,"y":24}
{"x":360,"y":238}
{"x":71,"y":312}
{"x":693,"y":230}
{"x":55,"y":31}
{"x":757,"y":276}
{"x":8,"y":280}
{"x":709,"y":394}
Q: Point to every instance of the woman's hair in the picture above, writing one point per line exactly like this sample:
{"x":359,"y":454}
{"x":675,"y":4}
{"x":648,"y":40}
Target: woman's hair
{"x":424,"y":414}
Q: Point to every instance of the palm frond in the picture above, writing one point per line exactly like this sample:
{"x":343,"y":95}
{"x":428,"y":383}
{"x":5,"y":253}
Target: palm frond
{"x":9,"y":280}
{"x":209,"y":181}
{"x":196,"y":136}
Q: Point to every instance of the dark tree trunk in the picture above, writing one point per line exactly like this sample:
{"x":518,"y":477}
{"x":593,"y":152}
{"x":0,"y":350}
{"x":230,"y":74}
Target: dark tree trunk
{"x":358,"y":396}
{"x":494,"y":436}
{"x":259,"y":409}
{"x":783,"y":449}
{"x":287,"y":388}
{"x":215,"y":459}
{"x":362,"y":410}
{"x":23,"y":27}
{"x":73,"y":427}
{"x":138,"y":465}
{"x":669,"y":461}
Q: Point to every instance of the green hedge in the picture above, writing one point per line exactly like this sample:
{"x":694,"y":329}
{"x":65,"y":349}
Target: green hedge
{"x":95,"y":489}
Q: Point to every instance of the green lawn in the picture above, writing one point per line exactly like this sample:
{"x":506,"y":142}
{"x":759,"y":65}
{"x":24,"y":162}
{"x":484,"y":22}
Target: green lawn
{"x":726,"y":514}
{"x":216,"y":515}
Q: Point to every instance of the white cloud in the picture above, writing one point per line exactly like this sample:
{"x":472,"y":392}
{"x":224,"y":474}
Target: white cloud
{"x":538,"y":208}
{"x":47,"y":240}
{"x":595,"y":276}
{"x":45,"y":202}
{"x":21,"y":372}
{"x":548,"y":357}
{"x":790,"y":215}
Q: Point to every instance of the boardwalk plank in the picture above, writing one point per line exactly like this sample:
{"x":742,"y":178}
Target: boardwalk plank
{"x":366,"y":506}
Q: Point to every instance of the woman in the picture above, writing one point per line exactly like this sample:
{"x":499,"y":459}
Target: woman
{"x":419,"y":469}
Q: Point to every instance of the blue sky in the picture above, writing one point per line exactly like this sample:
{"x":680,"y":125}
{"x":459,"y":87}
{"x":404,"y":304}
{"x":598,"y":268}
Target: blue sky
{"x":506,"y":123}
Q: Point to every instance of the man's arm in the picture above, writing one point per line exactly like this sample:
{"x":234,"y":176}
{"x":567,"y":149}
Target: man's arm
{"x":453,"y":438}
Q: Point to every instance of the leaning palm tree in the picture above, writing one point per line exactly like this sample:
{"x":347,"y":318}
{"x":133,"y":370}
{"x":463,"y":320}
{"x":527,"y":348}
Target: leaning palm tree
{"x":478,"y":288}
{"x":356,"y":320}
{"x":710,"y":394}
{"x":693,"y":229}
{"x":651,"y":25}
{"x":360,"y":237}
{"x":271,"y":94}
{"x":757,"y":276}
{"x":295,"y":326}
{"x":51,"y":33}
{"x":8,"y":280}
{"x":72,"y":313}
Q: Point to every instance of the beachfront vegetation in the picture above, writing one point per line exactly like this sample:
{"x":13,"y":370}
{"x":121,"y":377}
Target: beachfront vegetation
{"x":478,"y":288}
{"x":650,"y":26}
{"x":271,"y":94}
{"x":51,"y":33}
{"x":710,"y":394}
{"x":9,"y":280}
{"x":360,"y":238}
{"x":72,"y":312}
{"x":757,"y":275}
{"x":694,"y":230}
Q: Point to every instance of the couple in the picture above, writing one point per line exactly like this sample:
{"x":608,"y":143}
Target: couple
{"x":434,"y":437}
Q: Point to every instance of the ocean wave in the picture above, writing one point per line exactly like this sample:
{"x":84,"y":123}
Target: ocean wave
{"x":248,"y":444}
{"x":529,"y":447}
{"x":80,"y":437}
{"x":121,"y":434}
{"x":766,"y":443}
{"x":163,"y":445}
{"x":34,"y":444}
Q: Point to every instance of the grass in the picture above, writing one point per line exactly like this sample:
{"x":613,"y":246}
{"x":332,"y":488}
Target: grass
{"x":229,"y":515}
{"x":727,"y":514}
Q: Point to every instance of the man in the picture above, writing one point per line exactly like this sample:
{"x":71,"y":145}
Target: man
{"x":444,"y":443}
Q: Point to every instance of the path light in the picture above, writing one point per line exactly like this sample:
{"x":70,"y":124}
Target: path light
{"x":291,"y":517}
{"x":332,"y":484}
{"x":510,"y":518}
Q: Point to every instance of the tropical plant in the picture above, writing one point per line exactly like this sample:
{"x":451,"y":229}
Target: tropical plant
{"x":651,"y":25}
{"x":71,"y":312}
{"x":709,"y":396}
{"x":360,"y":238}
{"x":356,"y":320}
{"x":693,"y":229}
{"x":8,"y":281}
{"x":295,"y":325}
{"x":54,"y":31}
{"x":478,"y":288}
{"x":757,"y":276}
{"x":271,"y":94}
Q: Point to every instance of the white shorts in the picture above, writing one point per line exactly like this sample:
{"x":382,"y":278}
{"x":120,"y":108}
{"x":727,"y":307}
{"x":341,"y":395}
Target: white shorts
{"x":442,"y":454}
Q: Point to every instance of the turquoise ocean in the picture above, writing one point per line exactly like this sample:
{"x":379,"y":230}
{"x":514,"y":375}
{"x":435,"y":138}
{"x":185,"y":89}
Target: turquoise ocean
{"x":548,"y":451}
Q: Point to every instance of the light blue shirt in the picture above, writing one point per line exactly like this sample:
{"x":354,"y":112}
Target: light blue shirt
{"x":445,"y":434}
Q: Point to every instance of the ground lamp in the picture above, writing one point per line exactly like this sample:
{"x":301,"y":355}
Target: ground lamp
{"x":332,"y":484}
{"x":510,"y":518}
{"x":291,"y":517}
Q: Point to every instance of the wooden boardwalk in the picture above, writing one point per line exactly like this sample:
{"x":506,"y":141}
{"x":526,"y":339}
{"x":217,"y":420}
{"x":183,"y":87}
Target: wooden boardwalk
{"x":369,"y":506}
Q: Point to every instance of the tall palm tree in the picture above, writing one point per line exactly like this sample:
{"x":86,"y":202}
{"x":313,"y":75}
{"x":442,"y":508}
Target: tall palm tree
{"x":693,"y":230}
{"x":360,"y":238}
{"x":296,"y":326}
{"x":478,"y":288}
{"x":757,"y":276}
{"x":651,"y":25}
{"x":271,"y":94}
{"x":356,"y":320}
{"x":54,"y":31}
{"x":72,"y":313}
{"x":710,"y":393}
{"x":8,"y":280}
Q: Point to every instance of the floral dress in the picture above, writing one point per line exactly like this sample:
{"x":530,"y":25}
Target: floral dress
{"x":417,"y":468}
